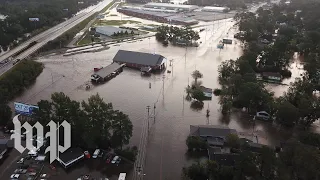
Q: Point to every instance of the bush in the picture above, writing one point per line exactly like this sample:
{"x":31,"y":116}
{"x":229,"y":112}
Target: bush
{"x":196,"y":143}
{"x":217,"y":92}
{"x":18,"y":78}
{"x":129,"y":153}
{"x":285,"y":73}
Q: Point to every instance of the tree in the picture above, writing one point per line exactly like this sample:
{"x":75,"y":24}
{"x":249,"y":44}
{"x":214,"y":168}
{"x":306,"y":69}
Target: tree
{"x":196,"y":171}
{"x":132,"y":32}
{"x":5,"y":114}
{"x":268,"y":163}
{"x":198,"y":94}
{"x":126,"y":33}
{"x":129,"y":153}
{"x":212,"y":169}
{"x":195,"y":143}
{"x":121,"y":128}
{"x":196,"y":75}
{"x":233,"y":141}
{"x":287,"y":114}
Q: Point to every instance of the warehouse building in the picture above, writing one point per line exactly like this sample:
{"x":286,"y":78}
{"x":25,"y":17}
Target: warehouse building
{"x":170,"y":18}
{"x":215,"y":9}
{"x":108,"y":30}
{"x":171,"y":6}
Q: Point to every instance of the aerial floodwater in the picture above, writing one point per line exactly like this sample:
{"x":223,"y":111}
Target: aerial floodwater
{"x":132,"y":93}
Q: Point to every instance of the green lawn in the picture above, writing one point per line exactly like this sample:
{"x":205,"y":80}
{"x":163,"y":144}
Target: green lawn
{"x":87,"y":40}
{"x":114,"y":22}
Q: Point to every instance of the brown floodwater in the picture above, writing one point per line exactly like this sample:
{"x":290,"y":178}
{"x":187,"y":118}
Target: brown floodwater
{"x":130,"y":93}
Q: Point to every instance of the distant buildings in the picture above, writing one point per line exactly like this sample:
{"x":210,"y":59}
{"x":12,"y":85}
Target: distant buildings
{"x":138,"y":1}
{"x":171,"y":6}
{"x":215,"y":9}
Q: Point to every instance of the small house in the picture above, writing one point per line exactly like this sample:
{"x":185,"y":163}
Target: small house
{"x":206,"y":91}
{"x":215,"y":135}
{"x":272,"y":76}
{"x":140,"y":59}
{"x":226,"y":41}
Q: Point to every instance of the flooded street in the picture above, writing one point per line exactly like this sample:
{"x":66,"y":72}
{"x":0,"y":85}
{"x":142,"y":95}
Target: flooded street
{"x":130,"y":93}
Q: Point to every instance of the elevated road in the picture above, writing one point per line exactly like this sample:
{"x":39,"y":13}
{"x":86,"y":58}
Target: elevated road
{"x":48,"y":35}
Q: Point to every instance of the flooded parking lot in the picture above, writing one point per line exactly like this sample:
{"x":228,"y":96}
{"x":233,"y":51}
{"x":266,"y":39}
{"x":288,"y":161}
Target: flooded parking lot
{"x":130,"y":93}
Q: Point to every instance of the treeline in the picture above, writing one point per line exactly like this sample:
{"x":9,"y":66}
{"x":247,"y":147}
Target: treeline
{"x":49,"y":12}
{"x":296,"y":159}
{"x":240,"y":88}
{"x":14,"y":82}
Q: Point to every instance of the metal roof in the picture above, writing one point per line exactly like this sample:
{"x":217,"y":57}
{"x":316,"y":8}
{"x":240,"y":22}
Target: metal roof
{"x":214,"y":8}
{"x":108,"y":30}
{"x":211,"y":130}
{"x":167,"y":5}
{"x":141,"y":58}
{"x":104,"y":72}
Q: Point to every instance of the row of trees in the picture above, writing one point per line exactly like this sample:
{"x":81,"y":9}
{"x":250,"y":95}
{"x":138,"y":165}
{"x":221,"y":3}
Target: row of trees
{"x":14,"y":82}
{"x":94,"y":122}
{"x":296,"y":161}
{"x":240,"y":87}
{"x":175,"y":34}
{"x":121,"y":33}
{"x":49,"y":12}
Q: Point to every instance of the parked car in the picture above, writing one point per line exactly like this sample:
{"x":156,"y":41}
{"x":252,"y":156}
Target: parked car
{"x":21,"y":161}
{"x":118,"y":161}
{"x":26,"y":166}
{"x":115,"y":159}
{"x":262,"y":115}
{"x":20,"y":171}
{"x":15,"y":176}
{"x":109,"y":159}
{"x":96,"y":153}
{"x":100,"y":154}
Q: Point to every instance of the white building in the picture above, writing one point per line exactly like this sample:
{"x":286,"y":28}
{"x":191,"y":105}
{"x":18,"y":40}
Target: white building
{"x":168,"y":6}
{"x":215,"y":9}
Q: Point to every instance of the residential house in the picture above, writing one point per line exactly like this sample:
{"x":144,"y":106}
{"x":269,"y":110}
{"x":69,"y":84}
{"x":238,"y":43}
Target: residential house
{"x":215,"y":135}
{"x":222,"y":157}
{"x":272,"y":76}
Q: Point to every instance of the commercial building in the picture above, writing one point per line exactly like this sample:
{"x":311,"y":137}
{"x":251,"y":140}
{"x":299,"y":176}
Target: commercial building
{"x":215,"y":9}
{"x":109,"y":30}
{"x":139,"y":59}
{"x":171,"y":6}
{"x":162,"y":17}
{"x":70,"y":157}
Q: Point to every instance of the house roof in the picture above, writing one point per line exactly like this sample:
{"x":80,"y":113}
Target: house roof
{"x":107,"y":70}
{"x":145,"y":59}
{"x":273,"y":74}
{"x":71,"y":155}
{"x":211,"y":130}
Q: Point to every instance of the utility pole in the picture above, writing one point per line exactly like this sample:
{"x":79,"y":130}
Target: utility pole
{"x":185,"y":55}
{"x":154,"y":112}
{"x":148,"y":108}
{"x":172,"y":68}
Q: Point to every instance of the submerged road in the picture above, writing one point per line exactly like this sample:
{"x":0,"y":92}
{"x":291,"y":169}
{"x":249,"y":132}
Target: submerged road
{"x":48,"y":35}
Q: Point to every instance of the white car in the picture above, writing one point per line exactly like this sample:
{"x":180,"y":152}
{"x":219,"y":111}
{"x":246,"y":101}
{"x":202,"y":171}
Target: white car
{"x":21,"y":161}
{"x":263,"y":115}
{"x":15,"y":176}
{"x":115,"y":159}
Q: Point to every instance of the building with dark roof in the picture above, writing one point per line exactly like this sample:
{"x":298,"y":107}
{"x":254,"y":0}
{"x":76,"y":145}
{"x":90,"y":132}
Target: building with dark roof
{"x":70,"y":157}
{"x":139,"y":59}
{"x":5,"y":146}
{"x":107,"y":73}
{"x":171,"y":6}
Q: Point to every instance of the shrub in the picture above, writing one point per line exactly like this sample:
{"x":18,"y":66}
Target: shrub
{"x":217,"y":92}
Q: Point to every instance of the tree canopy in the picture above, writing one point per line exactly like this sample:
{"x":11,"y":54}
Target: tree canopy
{"x":94,"y":122}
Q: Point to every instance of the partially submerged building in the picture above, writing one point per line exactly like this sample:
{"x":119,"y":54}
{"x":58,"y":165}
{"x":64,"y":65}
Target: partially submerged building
{"x":138,"y":60}
{"x":107,"y":73}
{"x":169,"y":6}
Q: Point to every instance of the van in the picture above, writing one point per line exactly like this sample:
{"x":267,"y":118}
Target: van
{"x":96,"y":153}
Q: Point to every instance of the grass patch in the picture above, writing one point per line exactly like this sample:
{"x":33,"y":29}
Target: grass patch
{"x":87,"y":40}
{"x":115,"y":22}
{"x":107,"y":7}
